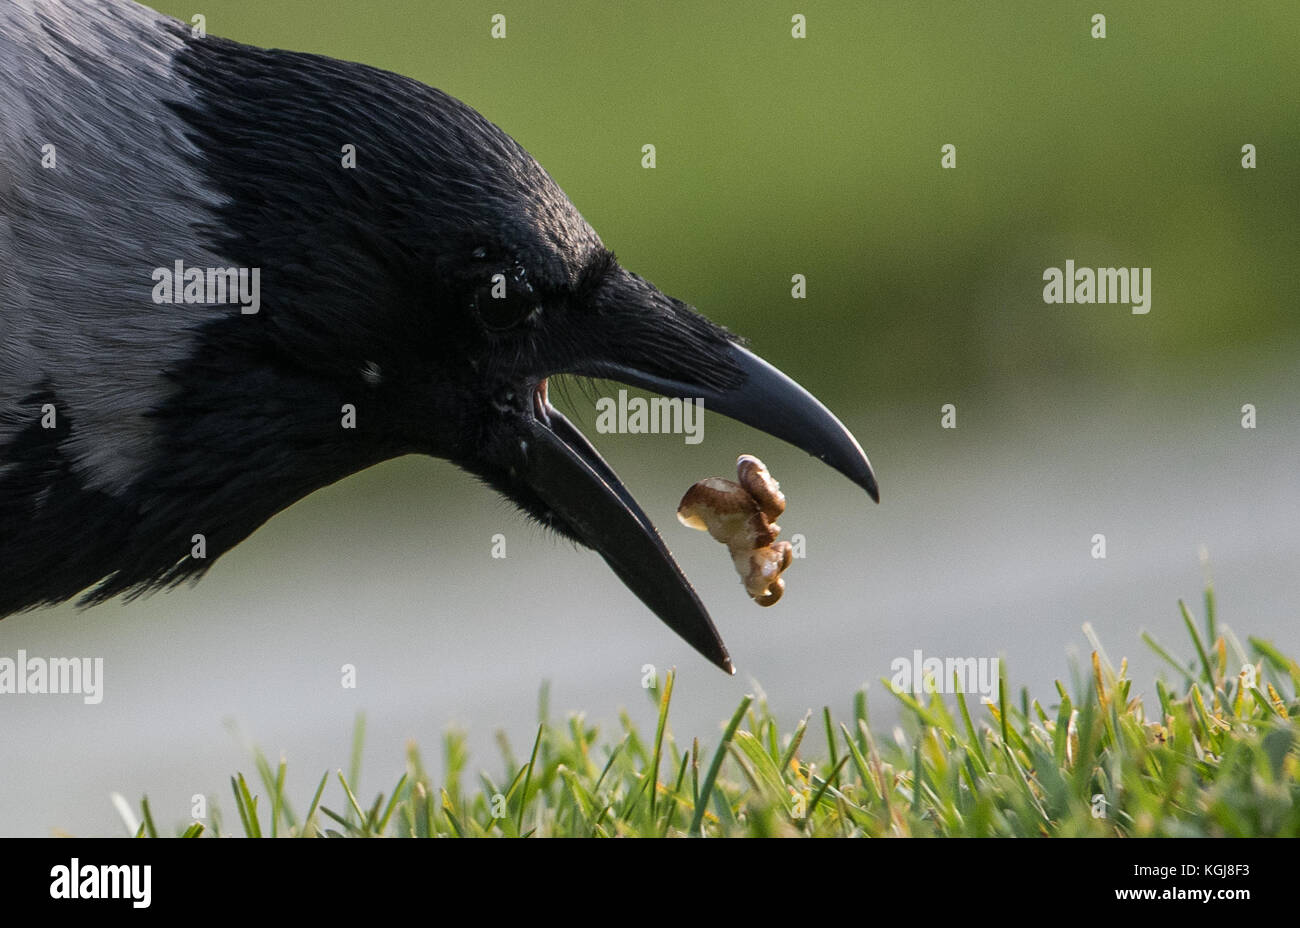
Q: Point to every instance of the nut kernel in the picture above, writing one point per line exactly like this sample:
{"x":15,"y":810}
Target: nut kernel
{"x":739,"y":515}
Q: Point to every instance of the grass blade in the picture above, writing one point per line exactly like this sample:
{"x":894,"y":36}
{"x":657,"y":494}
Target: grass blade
{"x":711,"y":777}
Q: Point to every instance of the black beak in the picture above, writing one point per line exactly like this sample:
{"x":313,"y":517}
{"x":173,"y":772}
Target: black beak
{"x":771,"y":402}
{"x":564,"y":470}
{"x":567,"y":473}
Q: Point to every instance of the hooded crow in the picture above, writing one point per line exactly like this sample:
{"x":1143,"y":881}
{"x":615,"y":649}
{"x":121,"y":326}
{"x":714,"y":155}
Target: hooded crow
{"x":206,"y":313}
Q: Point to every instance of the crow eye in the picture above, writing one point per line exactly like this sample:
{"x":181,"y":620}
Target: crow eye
{"x":506,"y":300}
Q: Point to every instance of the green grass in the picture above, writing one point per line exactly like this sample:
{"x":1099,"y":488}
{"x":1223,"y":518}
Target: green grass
{"x":1212,"y":753}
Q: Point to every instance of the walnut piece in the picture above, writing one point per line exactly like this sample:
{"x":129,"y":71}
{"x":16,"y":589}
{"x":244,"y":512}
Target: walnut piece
{"x":740,"y":516}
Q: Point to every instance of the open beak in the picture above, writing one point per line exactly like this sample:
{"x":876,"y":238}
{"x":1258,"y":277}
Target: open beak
{"x":567,"y":473}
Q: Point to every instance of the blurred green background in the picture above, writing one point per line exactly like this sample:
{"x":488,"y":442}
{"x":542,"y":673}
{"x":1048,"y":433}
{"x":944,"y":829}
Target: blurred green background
{"x":778,"y":156}
{"x":821,"y":156}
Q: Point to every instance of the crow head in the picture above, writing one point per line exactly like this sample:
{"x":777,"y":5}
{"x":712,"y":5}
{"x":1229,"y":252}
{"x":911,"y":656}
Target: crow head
{"x":415,"y":299}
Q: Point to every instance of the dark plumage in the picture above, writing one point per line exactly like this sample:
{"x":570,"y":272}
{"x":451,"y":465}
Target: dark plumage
{"x":375,"y":290}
